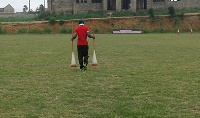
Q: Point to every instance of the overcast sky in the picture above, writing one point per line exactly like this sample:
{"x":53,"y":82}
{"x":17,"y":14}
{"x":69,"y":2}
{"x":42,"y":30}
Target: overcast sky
{"x":18,"y":4}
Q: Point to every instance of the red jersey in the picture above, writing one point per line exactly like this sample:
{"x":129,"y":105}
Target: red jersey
{"x":81,"y":31}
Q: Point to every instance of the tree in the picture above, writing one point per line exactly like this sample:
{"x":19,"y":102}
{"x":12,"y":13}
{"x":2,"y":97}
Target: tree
{"x":171,"y":11}
{"x":52,"y":20}
{"x":41,"y":8}
{"x":25,"y":8}
{"x":151,"y":13}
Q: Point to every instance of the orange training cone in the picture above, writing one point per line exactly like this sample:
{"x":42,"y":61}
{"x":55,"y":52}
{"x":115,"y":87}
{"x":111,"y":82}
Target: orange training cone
{"x":73,"y":63}
{"x":94,"y":59}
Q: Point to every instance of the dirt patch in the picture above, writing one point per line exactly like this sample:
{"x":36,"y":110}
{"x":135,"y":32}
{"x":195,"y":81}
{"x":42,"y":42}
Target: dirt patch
{"x":105,"y":25}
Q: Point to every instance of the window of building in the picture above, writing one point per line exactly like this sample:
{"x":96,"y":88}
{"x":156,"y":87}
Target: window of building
{"x":126,"y":4}
{"x":1,"y":9}
{"x":96,"y":1}
{"x":111,"y":4}
{"x":158,"y":0}
{"x":141,"y":4}
{"x":81,"y":1}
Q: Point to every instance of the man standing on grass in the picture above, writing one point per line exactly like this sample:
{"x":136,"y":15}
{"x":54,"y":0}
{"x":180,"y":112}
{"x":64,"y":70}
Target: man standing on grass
{"x":82,"y":32}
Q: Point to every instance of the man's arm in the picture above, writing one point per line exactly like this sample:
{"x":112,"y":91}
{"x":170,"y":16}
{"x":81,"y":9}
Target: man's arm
{"x":90,"y":36}
{"x":74,"y":36}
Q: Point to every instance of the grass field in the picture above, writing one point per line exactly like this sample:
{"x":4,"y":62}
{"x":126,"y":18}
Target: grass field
{"x":150,"y":75}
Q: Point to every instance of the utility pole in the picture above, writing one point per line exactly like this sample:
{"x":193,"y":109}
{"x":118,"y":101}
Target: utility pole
{"x":44,"y":5}
{"x":29,"y":7}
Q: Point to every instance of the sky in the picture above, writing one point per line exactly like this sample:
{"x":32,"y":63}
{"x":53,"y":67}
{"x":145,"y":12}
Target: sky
{"x":18,"y":4}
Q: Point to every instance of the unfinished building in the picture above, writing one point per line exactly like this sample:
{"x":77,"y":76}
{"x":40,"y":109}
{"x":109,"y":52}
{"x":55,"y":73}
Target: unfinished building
{"x":80,"y":6}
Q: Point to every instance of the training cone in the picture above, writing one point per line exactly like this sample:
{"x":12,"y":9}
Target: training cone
{"x":178,"y":32}
{"x":73,"y":63}
{"x":94,"y":59}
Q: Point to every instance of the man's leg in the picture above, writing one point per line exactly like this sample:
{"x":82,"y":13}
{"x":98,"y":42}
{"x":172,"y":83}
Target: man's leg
{"x":80,"y":56}
{"x":86,"y":55}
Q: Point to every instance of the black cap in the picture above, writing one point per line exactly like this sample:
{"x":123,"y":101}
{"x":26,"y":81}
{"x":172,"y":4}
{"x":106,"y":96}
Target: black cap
{"x":81,"y":22}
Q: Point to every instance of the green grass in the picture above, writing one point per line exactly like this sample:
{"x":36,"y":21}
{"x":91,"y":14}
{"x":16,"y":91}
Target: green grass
{"x":151,"y":75}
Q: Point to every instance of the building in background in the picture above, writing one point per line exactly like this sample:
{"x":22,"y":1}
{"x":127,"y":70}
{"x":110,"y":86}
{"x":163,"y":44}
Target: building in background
{"x":80,"y":6}
{"x":7,"y":9}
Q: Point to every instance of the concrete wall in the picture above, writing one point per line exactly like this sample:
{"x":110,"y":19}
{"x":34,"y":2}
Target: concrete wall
{"x":183,"y":4}
{"x":63,"y":6}
{"x":18,"y":14}
{"x":87,"y":7}
{"x":71,"y":7}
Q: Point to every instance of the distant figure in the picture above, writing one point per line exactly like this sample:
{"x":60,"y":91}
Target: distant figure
{"x":82,"y":32}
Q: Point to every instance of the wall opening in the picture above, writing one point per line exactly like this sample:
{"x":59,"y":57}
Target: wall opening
{"x":111,"y":5}
{"x":141,"y":4}
{"x":126,"y":4}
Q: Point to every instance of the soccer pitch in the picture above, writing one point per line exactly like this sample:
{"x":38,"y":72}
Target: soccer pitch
{"x":148,"y":75}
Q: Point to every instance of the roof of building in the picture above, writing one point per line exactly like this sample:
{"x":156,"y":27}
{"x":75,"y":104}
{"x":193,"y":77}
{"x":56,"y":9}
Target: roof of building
{"x":8,"y":6}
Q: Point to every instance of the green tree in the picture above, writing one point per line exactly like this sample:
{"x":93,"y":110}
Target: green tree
{"x":171,"y":11}
{"x":41,"y":9}
{"x":61,"y":22}
{"x":151,"y":13}
{"x":52,"y":20}
{"x":25,"y":8}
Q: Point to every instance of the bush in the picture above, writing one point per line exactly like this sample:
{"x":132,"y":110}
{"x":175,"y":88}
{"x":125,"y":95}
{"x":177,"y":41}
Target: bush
{"x":96,"y":30}
{"x":61,"y":22}
{"x":162,"y":30}
{"x":88,"y":15}
{"x":44,"y":16}
{"x":145,"y":31}
{"x":69,"y":30}
{"x":122,"y":14}
{"x":182,"y":16}
{"x":199,"y":16}
{"x":175,"y":30}
{"x":171,"y":11}
{"x":1,"y":30}
{"x":151,"y":13}
{"x":35,"y":31}
{"x":22,"y":31}
{"x":52,"y":20}
{"x":63,"y":30}
{"x":177,"y":20}
{"x":66,"y":30}
{"x":47,"y":30}
{"x":140,"y":13}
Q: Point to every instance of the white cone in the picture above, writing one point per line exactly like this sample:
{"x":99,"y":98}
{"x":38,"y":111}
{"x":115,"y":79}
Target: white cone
{"x":178,"y":31}
{"x":94,"y":59}
{"x":73,"y":63}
